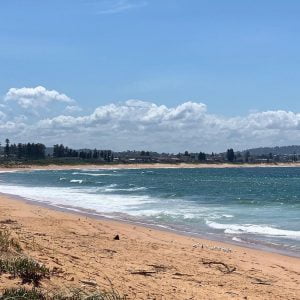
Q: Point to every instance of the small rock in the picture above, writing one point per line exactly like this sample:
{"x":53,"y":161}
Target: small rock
{"x":117,"y":238}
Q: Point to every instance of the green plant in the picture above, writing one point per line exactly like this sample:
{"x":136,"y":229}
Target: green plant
{"x":22,"y":294}
{"x":34,"y":294}
{"x":27,"y":269}
{"x":8,"y":243}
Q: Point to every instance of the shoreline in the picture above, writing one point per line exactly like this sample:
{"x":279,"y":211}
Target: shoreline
{"x":144,"y":166}
{"x":84,"y":247}
{"x":101,"y":217}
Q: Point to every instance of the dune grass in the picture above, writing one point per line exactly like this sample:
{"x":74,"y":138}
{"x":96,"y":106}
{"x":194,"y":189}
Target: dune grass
{"x":8,"y":243}
{"x":14,"y":262}
{"x":35,"y":294}
{"x":25,"y":268}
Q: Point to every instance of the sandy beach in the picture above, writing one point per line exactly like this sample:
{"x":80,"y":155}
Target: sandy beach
{"x":145,"y":166}
{"x":145,"y":263}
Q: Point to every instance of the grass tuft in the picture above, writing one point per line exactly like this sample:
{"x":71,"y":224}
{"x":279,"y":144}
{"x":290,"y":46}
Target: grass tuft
{"x":34,"y":294}
{"x":22,"y":294}
{"x":27,"y":269}
{"x":8,"y":243}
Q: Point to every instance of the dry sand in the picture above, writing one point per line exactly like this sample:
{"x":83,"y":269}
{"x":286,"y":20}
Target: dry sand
{"x":145,"y":263}
{"x":147,"y":166}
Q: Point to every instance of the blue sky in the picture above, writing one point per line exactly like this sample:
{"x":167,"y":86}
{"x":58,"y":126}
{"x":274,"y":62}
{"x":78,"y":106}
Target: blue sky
{"x":236,"y":57}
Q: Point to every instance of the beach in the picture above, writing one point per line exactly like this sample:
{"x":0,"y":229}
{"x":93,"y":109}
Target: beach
{"x":144,"y":166}
{"x":145,"y":263}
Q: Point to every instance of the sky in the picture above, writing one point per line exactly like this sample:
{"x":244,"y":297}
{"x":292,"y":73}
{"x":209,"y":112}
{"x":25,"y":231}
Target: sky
{"x":160,"y":75}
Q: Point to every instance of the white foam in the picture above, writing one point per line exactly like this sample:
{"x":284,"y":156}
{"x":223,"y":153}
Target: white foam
{"x":93,"y":174}
{"x":255,"y":229}
{"x":126,"y":190}
{"x":86,"y":198}
{"x":76,"y":181}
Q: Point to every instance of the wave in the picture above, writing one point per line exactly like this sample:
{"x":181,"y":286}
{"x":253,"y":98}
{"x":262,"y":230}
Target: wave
{"x":86,"y":198}
{"x":76,"y":181}
{"x":125,"y":190}
{"x":93,"y":174}
{"x":255,"y":229}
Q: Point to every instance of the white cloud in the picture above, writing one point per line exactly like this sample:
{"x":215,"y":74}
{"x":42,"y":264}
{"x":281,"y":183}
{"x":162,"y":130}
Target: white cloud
{"x":118,"y":6}
{"x":2,"y":115}
{"x":72,"y":109}
{"x":137,"y":124}
{"x":35,"y":97}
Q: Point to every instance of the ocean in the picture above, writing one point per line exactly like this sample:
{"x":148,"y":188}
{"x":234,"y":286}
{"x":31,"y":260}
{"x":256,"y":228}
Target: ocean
{"x":253,"y":207}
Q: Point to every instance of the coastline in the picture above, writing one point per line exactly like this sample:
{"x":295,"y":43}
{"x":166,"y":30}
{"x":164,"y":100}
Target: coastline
{"x":92,"y":214}
{"x":176,"y":263}
{"x":144,"y":166}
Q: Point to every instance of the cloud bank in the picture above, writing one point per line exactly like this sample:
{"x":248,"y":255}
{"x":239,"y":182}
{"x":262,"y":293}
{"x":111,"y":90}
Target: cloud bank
{"x":137,"y":124}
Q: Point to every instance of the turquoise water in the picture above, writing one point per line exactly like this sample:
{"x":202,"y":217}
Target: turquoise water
{"x":249,"y":206}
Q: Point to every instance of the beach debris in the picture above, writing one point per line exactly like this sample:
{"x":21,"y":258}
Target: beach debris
{"x":89,"y":282}
{"x":224,"y":268}
{"x":109,"y":251}
{"x":8,"y":221}
{"x":117,"y":238}
{"x":182,"y":274}
{"x":260,"y":281}
{"x":143,"y":272}
{"x":158,"y":268}
{"x":223,"y":249}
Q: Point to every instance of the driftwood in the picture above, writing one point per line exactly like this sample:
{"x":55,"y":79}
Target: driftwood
{"x":260,"y":281}
{"x":89,"y":282}
{"x":143,"y":272}
{"x":226,"y":270}
{"x":182,"y":274}
{"x":158,"y":267}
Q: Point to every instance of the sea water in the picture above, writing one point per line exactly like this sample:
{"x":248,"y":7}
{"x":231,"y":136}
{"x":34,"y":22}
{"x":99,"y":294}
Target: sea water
{"x":258,"y":207}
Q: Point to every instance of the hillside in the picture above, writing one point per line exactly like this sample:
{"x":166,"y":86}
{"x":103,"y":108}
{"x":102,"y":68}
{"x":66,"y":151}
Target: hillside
{"x":275,"y":150}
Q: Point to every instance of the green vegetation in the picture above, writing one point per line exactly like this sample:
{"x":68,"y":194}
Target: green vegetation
{"x":27,"y":269}
{"x":35,"y":294}
{"x":12,"y":155}
{"x":22,"y":293}
{"x":24,"y":151}
{"x":8,"y":243}
{"x":230,"y":155}
{"x":14,"y":263}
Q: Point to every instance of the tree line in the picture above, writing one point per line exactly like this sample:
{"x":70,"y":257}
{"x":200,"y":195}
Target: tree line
{"x":34,"y":151}
{"x":62,"y":151}
{"x":24,"y":151}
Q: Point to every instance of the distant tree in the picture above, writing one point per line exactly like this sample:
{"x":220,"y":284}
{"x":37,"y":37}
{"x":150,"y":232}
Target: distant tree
{"x":6,"y":149}
{"x":230,"y":155}
{"x":186,"y":153}
{"x":201,"y":156}
{"x":95,"y":154}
